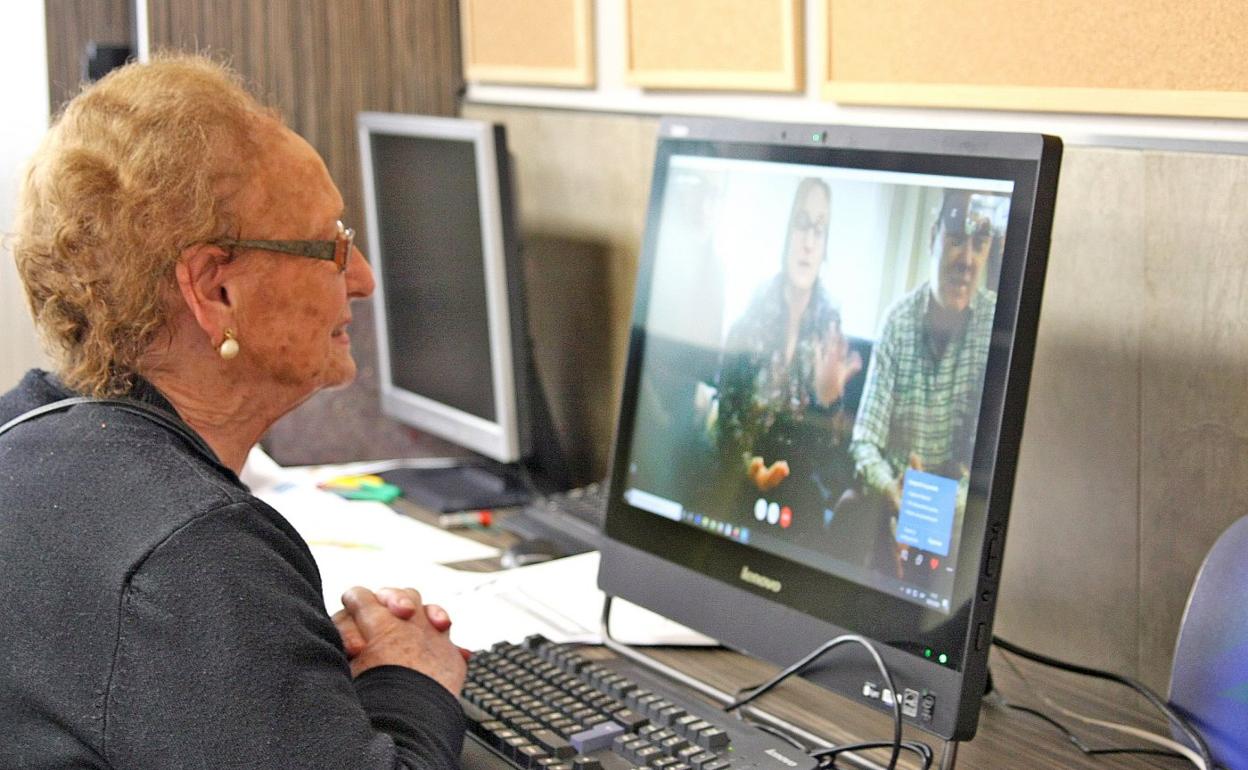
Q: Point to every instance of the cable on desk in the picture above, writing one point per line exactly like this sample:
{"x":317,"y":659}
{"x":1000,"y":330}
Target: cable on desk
{"x":827,"y":646}
{"x":1201,"y":757}
{"x":1083,"y":747}
{"x":923,"y":751}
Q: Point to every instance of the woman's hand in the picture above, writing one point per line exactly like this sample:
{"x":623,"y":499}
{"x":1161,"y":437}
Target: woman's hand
{"x":393,"y":627}
{"x":766,"y":476}
{"x":835,"y":364}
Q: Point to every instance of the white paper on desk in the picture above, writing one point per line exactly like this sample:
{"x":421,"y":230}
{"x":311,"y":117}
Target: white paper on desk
{"x":366,"y":543}
{"x":560,"y":600}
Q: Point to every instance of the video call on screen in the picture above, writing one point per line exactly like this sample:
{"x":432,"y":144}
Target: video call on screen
{"x":816,"y":341}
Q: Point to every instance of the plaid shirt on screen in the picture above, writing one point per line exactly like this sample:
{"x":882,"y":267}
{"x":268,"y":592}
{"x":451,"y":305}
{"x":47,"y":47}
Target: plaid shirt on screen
{"x":915,"y":403}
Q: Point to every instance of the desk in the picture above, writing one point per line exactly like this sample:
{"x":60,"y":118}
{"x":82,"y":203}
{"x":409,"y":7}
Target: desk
{"x":1006,"y":739}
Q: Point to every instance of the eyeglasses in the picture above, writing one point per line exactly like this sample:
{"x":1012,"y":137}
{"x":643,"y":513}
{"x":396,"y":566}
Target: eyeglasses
{"x":803,"y":223}
{"x":337,"y":251}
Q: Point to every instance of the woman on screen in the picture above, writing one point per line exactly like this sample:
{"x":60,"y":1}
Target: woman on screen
{"x":786,"y":361}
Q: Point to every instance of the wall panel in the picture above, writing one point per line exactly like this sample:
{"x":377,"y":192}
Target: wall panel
{"x":71,"y":24}
{"x":1070,"y":526}
{"x":745,"y":45}
{"x":582,"y":181}
{"x":1118,"y":56}
{"x":320,"y":62}
{"x":547,"y":42}
{"x":1194,"y":411}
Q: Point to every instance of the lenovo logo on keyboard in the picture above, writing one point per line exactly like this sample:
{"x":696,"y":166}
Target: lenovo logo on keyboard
{"x":762,"y":581}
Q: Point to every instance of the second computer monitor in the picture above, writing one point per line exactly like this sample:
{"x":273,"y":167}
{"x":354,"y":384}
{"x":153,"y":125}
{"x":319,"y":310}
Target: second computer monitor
{"x":448,"y":303}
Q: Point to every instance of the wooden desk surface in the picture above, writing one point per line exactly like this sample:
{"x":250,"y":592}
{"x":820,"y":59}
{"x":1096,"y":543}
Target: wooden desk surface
{"x":1007,"y":739}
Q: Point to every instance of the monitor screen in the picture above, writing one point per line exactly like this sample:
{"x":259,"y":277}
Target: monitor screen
{"x":824,"y":389}
{"x":438,"y":210}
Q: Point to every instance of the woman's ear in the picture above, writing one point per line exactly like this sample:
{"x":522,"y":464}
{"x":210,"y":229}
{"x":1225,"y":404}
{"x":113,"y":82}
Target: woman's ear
{"x":202,"y":280}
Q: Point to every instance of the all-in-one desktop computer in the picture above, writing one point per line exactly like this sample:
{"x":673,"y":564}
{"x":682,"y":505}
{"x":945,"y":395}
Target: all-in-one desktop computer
{"x":823,"y":401}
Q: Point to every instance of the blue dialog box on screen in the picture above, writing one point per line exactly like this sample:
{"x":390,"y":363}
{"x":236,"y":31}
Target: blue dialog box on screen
{"x":927,"y":506}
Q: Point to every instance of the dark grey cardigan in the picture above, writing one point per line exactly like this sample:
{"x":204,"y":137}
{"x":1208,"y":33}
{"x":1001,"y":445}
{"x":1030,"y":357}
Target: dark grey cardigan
{"x":155,"y":614}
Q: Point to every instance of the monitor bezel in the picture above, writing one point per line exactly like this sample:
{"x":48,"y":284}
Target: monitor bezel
{"x":636,"y":567}
{"x":504,"y":438}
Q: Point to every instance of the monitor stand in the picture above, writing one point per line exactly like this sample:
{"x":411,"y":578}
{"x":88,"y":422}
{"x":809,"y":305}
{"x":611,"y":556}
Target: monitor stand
{"x":461,"y":487}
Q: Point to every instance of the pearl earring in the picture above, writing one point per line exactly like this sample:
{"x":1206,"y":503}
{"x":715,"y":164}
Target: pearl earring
{"x":229,"y":346}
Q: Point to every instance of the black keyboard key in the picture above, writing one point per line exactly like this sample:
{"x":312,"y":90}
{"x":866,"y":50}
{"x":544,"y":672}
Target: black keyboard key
{"x":713,"y":739}
{"x":553,"y":743}
{"x":527,"y":756}
{"x":630,"y":719}
{"x":687,"y":754}
{"x":682,"y":724}
{"x":586,"y":763}
{"x":673,"y":745}
{"x":630,"y":748}
{"x":512,"y":744}
{"x":702,"y":759}
{"x":643,"y":756}
{"x":718,"y":764}
{"x":669,"y":715}
{"x":596,"y":719}
{"x":535,"y":641}
{"x":498,"y":738}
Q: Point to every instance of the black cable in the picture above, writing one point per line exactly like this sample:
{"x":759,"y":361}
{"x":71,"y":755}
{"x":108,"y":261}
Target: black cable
{"x":781,"y":734}
{"x":1194,"y":737}
{"x":818,"y":652}
{"x":1086,"y":749}
{"x":921,"y":749}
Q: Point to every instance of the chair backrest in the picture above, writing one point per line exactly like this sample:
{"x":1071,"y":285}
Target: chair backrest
{"x":1209,"y":678}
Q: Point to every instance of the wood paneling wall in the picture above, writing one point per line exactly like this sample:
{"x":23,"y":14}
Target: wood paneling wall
{"x":71,"y":24}
{"x":320,"y":62}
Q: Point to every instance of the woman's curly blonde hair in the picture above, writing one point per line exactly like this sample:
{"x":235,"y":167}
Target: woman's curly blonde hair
{"x":137,"y":167}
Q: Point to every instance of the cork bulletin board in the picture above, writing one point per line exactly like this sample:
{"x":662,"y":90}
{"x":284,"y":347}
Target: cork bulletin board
{"x":1150,"y":57}
{"x":745,"y":45}
{"x":539,"y":42}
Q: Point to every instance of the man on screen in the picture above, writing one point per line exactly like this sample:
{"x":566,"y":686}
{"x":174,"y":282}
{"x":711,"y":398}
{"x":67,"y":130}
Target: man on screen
{"x":920,"y":404}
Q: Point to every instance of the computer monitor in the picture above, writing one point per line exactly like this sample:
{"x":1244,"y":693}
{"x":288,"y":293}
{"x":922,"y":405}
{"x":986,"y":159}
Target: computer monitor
{"x":824,"y":396}
{"x":452,"y":343}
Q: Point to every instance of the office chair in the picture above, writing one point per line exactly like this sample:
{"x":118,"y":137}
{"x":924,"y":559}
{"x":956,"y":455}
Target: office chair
{"x":1209,"y":678}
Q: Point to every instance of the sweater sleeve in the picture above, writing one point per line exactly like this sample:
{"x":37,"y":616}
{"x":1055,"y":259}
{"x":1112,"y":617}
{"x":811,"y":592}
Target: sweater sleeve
{"x":226,"y":658}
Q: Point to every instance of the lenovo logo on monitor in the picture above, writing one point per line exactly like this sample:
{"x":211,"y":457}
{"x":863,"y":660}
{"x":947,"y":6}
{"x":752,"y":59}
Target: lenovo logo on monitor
{"x":762,"y":581}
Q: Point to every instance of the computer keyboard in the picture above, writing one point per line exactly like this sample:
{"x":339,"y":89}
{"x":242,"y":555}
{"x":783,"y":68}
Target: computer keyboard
{"x":571,"y":520}
{"x":544,"y":705}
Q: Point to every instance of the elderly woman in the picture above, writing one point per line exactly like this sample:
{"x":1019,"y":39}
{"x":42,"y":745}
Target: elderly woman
{"x":182,"y":255}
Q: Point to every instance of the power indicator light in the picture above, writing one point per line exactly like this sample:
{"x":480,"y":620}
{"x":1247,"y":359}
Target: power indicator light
{"x":943,"y":659}
{"x":927,"y":652}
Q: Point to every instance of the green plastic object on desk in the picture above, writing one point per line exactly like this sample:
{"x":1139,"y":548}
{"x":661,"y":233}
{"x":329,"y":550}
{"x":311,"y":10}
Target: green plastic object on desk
{"x":362,"y":488}
{"x":382,"y":493}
